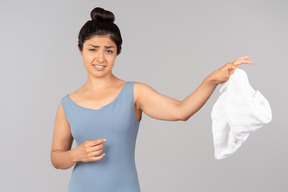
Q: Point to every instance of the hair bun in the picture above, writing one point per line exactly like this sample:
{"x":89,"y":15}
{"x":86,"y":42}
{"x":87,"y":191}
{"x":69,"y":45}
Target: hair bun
{"x":100,"y":15}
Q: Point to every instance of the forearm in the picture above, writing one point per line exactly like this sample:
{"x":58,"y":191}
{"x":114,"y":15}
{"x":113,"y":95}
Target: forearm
{"x":194,"y":102}
{"x":63,"y":159}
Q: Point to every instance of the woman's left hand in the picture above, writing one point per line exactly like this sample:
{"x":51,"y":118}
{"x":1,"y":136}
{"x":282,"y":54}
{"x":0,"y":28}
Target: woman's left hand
{"x":222,"y":74}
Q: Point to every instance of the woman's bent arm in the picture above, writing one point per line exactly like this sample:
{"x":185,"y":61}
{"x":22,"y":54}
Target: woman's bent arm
{"x":62,"y":157}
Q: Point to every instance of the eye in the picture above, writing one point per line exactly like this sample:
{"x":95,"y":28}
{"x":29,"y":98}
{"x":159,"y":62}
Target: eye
{"x":92,"y":50}
{"x":109,"y":51}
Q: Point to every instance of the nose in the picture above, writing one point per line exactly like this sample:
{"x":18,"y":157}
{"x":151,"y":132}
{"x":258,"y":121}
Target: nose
{"x":100,"y":56}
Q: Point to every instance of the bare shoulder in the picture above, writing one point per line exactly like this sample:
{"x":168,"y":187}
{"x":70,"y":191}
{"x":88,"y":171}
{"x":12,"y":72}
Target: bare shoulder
{"x":141,"y":86}
{"x":61,"y":117}
{"x":142,"y":89}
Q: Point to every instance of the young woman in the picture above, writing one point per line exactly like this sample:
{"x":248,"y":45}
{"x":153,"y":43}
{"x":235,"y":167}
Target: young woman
{"x":103,"y":115}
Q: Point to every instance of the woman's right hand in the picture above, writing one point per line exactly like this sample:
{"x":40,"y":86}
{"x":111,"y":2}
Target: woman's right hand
{"x":90,"y":150}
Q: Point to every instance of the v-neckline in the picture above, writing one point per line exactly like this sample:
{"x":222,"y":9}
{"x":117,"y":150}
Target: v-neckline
{"x":101,"y":108}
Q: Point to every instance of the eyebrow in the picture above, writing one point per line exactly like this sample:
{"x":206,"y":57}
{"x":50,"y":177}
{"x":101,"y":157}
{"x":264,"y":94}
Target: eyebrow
{"x":107,"y":47}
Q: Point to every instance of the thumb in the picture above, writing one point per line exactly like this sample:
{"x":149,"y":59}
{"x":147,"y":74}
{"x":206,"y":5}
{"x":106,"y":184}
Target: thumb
{"x":232,"y":68}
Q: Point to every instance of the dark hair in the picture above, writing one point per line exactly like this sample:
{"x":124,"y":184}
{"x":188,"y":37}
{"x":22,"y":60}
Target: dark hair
{"x":102,"y":24}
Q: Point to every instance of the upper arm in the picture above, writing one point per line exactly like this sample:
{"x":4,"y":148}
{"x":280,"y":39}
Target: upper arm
{"x":62,"y":137}
{"x":156,"y":105}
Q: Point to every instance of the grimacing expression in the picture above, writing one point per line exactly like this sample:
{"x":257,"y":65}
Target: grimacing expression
{"x":99,"y":54}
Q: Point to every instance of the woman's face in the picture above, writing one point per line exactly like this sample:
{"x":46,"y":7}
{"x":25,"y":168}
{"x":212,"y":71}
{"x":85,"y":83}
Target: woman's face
{"x":99,"y":54}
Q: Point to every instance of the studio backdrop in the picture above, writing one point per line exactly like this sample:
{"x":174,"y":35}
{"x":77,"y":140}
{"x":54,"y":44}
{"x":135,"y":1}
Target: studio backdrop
{"x":169,"y":45}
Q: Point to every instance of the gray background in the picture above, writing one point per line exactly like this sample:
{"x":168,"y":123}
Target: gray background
{"x":171,"y":46}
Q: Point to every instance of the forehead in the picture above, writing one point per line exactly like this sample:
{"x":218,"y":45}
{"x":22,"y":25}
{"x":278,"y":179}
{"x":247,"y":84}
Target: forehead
{"x":100,"y":40}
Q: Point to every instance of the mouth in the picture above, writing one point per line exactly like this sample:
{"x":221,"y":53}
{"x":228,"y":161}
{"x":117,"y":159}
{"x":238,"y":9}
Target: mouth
{"x":99,"y":67}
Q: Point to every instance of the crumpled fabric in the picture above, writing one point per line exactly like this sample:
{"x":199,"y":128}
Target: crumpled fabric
{"x":239,"y":111}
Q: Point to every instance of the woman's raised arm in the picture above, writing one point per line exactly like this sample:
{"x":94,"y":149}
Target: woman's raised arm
{"x":162,"y":107}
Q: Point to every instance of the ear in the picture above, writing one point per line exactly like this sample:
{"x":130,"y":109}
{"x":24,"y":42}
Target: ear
{"x":81,"y":53}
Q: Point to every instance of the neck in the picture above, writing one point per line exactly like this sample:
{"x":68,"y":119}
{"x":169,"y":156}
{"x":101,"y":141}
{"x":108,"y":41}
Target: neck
{"x":95,"y":83}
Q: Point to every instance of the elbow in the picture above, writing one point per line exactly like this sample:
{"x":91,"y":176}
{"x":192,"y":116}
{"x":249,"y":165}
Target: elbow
{"x":182,"y":118}
{"x":185,"y":118}
{"x":53,"y":161}
{"x":56,"y":166}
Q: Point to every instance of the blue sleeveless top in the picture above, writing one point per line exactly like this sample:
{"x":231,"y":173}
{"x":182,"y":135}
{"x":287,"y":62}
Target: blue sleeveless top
{"x":116,"y":122}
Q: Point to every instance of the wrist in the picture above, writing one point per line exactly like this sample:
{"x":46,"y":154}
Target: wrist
{"x":210,"y":81}
{"x":73,"y":155}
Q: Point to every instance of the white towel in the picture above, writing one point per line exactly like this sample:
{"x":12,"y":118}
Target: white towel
{"x":238,"y":111}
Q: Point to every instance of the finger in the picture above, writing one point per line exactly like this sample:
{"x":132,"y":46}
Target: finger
{"x":94,"y":154}
{"x":243,"y":57}
{"x":242,"y":61}
{"x":95,"y":142}
{"x":97,"y":158}
{"x":96,"y":148}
